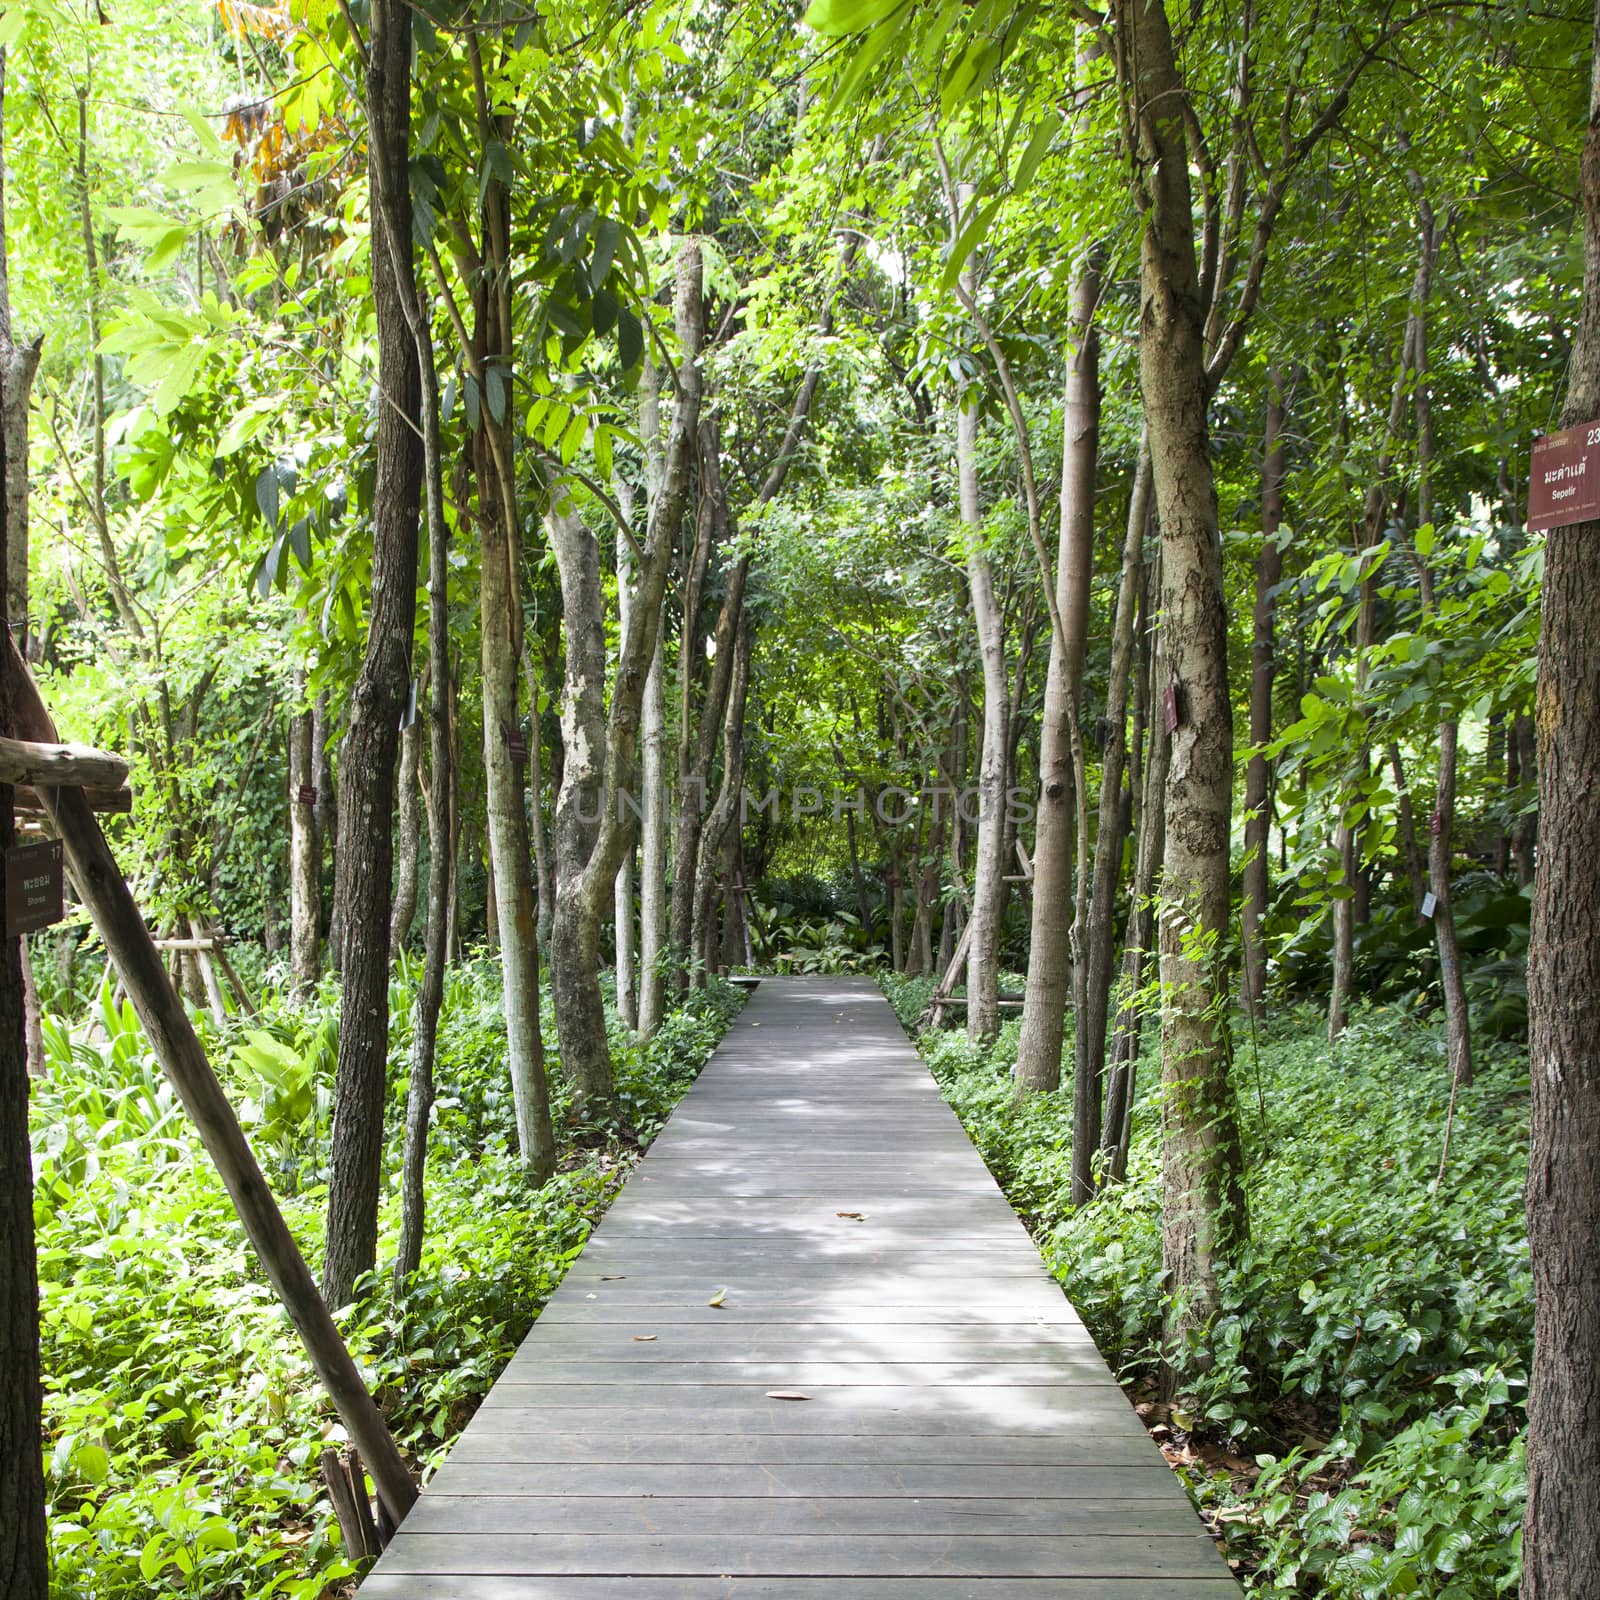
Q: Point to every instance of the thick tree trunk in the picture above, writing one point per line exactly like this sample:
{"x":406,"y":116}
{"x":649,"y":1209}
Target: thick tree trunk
{"x":305,"y":848}
{"x":24,"y":1552}
{"x":988,"y":885}
{"x":1263,"y":669}
{"x":408,"y":831}
{"x":1053,"y":964}
{"x":1525,"y":831}
{"x":366,"y":769}
{"x":1561,"y":1527}
{"x":1203,"y":1205}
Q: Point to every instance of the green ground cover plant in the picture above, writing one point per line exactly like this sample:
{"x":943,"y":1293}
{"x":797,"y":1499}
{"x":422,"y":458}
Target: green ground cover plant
{"x":183,"y":1425}
{"x":1351,"y":1423}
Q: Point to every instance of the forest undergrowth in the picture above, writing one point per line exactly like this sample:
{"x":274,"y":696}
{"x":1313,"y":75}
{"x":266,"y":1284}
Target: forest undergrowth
{"x":183,"y":1425}
{"x":1351,"y":1424}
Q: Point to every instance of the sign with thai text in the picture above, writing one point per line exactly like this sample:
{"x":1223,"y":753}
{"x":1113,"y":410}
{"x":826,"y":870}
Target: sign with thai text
{"x":1564,"y":478}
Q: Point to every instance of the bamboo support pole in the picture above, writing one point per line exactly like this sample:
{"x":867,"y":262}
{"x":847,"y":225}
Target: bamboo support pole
{"x":105,"y":894}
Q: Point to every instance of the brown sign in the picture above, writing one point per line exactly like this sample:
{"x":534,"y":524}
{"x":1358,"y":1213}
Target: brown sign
{"x":307,"y":795}
{"x":33,"y":887}
{"x":1564,"y":478}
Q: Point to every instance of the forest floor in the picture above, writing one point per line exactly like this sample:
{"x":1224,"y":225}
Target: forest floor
{"x":183,"y":1427}
{"x":1351,"y":1425}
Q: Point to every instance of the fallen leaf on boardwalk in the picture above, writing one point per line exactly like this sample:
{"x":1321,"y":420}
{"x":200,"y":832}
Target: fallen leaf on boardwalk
{"x":786,"y":1394}
{"x":718,"y":1298}
{"x":612,"y":1277}
{"x":854,"y":1216}
{"x":644,"y":1338}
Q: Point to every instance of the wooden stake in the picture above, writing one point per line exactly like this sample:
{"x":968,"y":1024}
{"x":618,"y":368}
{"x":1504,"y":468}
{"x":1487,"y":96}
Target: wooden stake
{"x":104,"y":892}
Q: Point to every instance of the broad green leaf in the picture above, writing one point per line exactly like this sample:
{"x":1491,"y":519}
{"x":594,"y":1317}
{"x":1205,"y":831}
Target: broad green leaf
{"x":1035,"y":152}
{"x":839,"y":17}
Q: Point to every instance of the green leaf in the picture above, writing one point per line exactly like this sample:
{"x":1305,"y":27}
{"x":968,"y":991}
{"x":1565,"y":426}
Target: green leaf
{"x":966,"y":242}
{"x":630,"y":339}
{"x":864,"y":60}
{"x":1038,"y":145}
{"x":604,"y":310}
{"x":605,"y":251}
{"x":836,"y":18}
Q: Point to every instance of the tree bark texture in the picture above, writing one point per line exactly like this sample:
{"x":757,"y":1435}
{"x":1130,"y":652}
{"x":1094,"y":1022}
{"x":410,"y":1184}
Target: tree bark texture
{"x":1203,"y":1206}
{"x":367,"y":761}
{"x":1052,"y":960}
{"x":1561,"y":1527}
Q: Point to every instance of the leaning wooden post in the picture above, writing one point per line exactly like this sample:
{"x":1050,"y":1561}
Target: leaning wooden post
{"x":103,"y":892}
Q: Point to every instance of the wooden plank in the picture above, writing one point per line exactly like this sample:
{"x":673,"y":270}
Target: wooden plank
{"x":423,"y":1586}
{"x":853,"y":1481}
{"x":959,"y":1435}
{"x":557,"y":1447}
{"x":861,"y":1556}
{"x":758,"y":1517}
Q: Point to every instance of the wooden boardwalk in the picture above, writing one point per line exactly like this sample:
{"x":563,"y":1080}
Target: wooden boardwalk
{"x":812,"y":1222}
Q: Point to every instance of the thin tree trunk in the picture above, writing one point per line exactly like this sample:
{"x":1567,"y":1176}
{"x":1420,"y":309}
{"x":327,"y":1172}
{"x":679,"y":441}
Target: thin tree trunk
{"x":1441,"y":827}
{"x":1055,"y":968}
{"x":500,"y":592}
{"x":583,"y":891}
{"x":627,"y":965}
{"x":983,"y":951}
{"x":441,"y":870}
{"x":366,"y":772}
{"x":726,"y":809}
{"x":653,"y":849}
{"x":1203,"y":1205}
{"x":1138,"y":947}
{"x":305,"y":854}
{"x":1263,"y":669}
{"x":655,"y":802}
{"x":1112,"y":824}
{"x":1561,"y":1526}
{"x":543,"y":877}
{"x":325,"y":819}
{"x":408,"y":828}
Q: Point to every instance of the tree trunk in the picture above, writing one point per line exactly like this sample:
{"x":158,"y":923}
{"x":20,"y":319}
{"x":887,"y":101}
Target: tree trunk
{"x":1263,"y":669}
{"x":1053,"y":964}
{"x":1112,"y":825}
{"x":441,"y":869}
{"x":325,"y":818}
{"x":366,"y":769}
{"x":1203,"y":1205}
{"x":24,"y":1550}
{"x":699,"y":755}
{"x":1561,"y":1526}
{"x":1525,"y":831}
{"x":622,"y":917}
{"x":587,"y":878}
{"x":305,"y":853}
{"x":988,"y":886}
{"x":653,"y":849}
{"x":408,"y":828}
{"x":500,"y":598}
{"x":724,"y":813}
{"x":655,"y":804}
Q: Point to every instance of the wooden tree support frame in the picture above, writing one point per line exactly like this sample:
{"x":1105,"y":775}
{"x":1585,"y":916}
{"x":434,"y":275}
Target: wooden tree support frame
{"x":104,"y":892}
{"x":943,"y":997}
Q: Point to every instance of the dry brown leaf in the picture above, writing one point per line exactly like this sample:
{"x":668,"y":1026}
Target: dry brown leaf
{"x":644,"y":1338}
{"x":854,"y":1216}
{"x":786,"y":1394}
{"x":612,"y":1277}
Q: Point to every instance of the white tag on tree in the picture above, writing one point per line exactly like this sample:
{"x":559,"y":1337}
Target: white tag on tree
{"x":1429,"y":904}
